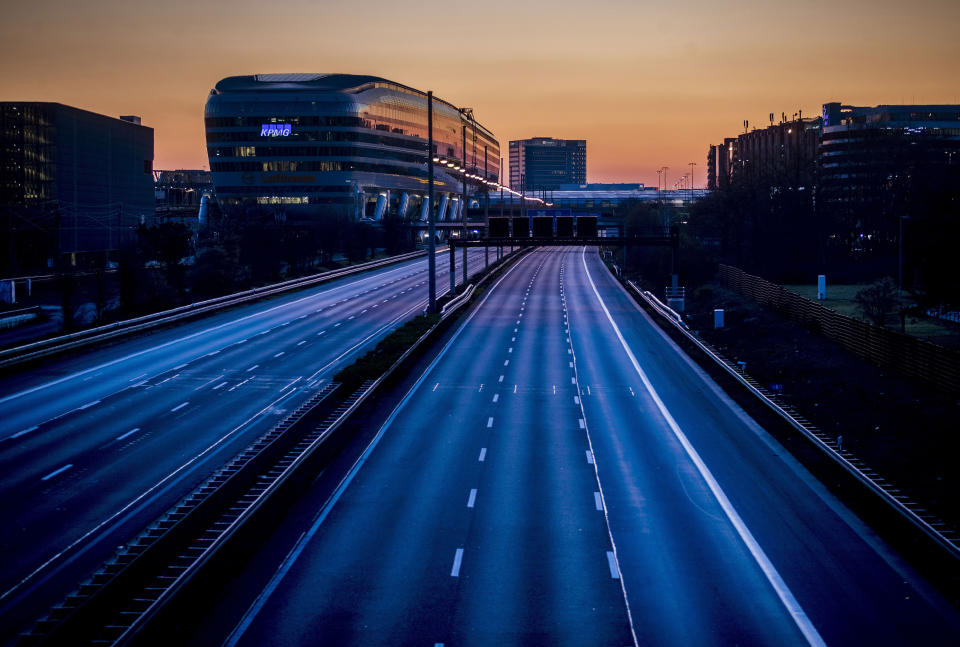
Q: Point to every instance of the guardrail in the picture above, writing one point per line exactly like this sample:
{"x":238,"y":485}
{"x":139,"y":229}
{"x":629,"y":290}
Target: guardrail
{"x":930,"y":526}
{"x":881,"y":346}
{"x":62,"y":343}
{"x":134,"y":588}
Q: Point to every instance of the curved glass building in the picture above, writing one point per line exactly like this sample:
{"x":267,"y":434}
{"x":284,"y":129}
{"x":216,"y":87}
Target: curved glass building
{"x":308,"y":145}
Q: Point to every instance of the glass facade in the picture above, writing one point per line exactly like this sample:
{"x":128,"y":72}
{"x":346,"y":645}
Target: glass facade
{"x":313,"y":144}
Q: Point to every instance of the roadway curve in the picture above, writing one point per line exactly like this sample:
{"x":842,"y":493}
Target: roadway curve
{"x":95,"y":445}
{"x":563,"y":474}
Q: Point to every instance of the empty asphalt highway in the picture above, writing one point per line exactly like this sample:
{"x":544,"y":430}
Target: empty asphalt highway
{"x":563,"y":474}
{"x":96,"y":444}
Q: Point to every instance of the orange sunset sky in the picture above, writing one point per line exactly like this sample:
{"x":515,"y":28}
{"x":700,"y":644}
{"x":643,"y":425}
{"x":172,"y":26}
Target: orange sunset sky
{"x":646,"y":84}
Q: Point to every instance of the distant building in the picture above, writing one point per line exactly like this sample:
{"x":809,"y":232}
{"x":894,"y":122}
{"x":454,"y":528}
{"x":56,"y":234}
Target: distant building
{"x":71,"y":181}
{"x":867,"y":151}
{"x":783,"y":154}
{"x":306,"y":147}
{"x":546,"y":163}
{"x":181,"y":189}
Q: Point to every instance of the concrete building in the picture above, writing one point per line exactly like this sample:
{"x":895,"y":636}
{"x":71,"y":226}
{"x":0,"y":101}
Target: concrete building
{"x":543,"y":163}
{"x":71,"y":181}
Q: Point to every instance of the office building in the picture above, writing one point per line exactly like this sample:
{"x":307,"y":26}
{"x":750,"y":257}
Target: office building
{"x":544,"y":163}
{"x":309,"y":146}
{"x":71,"y":181}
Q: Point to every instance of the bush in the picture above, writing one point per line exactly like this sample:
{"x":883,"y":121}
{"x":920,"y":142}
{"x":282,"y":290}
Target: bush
{"x":877,"y":300}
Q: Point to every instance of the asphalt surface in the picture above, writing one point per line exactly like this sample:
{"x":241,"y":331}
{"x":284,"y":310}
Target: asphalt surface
{"x":95,"y":445}
{"x":563,"y":474}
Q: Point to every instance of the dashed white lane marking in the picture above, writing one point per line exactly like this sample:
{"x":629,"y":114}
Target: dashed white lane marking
{"x":612,"y":563}
{"x":590,"y":457}
{"x":510,"y":350}
{"x":278,"y":354}
{"x":337,"y":324}
{"x":242,"y":341}
{"x":351,"y":317}
{"x":212,"y":353}
{"x":489,"y":422}
{"x":321,"y":332}
{"x":631,"y":391}
{"x":134,"y":379}
{"x":435,"y":386}
{"x":219,"y":386}
{"x":362,"y":311}
{"x":55,"y":472}
{"x":573,"y":380}
{"x":571,"y":364}
{"x":483,"y":454}
{"x":598,"y":501}
{"x":88,"y":405}
{"x":457,"y":560}
{"x":506,"y":362}
{"x":179,"y":406}
{"x":576,"y":399}
{"x":569,"y":351}
{"x":302,"y":343}
{"x":582,"y":423}
{"x":24,"y":432}
{"x":480,"y":390}
{"x":790,"y":603}
{"x":496,"y":396}
{"x":513,"y":339}
{"x":472,"y":498}
{"x":129,"y":433}
{"x":501,"y":379}
{"x":514,"y":388}
{"x":518,"y":321}
{"x":252,"y":367}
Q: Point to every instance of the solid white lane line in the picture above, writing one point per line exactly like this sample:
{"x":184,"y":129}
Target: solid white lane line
{"x":457,"y":561}
{"x":219,"y":386}
{"x":489,"y":422}
{"x":177,"y":368}
{"x":612,"y":563}
{"x":24,"y":432}
{"x":252,"y":367}
{"x":242,"y":341}
{"x":483,"y":454}
{"x":582,"y":425}
{"x":134,"y":379}
{"x":278,"y":354}
{"x":55,"y":472}
{"x":472,"y":498}
{"x":88,"y":405}
{"x":787,"y":598}
{"x":496,"y":396}
{"x":129,"y":433}
{"x":302,"y":343}
{"x":590,"y":457}
{"x":598,"y":501}
{"x":179,"y":406}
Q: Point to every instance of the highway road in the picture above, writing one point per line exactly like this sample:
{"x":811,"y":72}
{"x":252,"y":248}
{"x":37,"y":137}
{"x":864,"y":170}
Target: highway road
{"x":563,"y":474}
{"x":95,"y":445}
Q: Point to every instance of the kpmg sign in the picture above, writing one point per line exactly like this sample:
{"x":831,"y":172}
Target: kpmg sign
{"x":275,"y":130}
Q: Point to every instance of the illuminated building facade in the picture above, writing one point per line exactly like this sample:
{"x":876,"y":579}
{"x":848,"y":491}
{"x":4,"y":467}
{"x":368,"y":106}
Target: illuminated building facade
{"x":311,"y":145}
{"x":545,"y":163}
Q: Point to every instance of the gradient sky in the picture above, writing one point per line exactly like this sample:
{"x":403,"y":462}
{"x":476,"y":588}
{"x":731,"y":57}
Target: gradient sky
{"x":646,"y":84}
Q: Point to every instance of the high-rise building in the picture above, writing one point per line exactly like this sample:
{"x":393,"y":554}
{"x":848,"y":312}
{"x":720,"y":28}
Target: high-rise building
{"x":546,"y":163}
{"x":71,"y":181}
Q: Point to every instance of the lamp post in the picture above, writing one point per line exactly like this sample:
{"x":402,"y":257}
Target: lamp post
{"x":431,"y":224}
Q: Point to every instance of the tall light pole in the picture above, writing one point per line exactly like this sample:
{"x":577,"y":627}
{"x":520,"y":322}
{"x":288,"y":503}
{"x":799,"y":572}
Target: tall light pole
{"x":431,"y":224}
